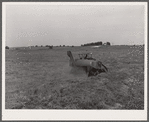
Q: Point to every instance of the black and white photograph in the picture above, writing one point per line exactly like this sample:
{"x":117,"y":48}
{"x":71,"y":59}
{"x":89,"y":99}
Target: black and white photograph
{"x":74,"y":60}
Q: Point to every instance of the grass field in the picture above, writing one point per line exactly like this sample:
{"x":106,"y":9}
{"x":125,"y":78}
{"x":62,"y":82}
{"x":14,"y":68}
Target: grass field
{"x":40,"y":78}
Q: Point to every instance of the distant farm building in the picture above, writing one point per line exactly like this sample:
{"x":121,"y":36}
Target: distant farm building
{"x":96,"y":46}
{"x":107,"y":43}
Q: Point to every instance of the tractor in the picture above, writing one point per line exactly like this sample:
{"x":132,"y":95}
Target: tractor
{"x":91,"y":66}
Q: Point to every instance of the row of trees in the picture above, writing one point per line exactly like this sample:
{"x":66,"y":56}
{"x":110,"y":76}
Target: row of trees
{"x":96,"y":44}
{"x":43,"y":46}
{"x":88,"y":44}
{"x":52,"y":46}
{"x":65,"y":46}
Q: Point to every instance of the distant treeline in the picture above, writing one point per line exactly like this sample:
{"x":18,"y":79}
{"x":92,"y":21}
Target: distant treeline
{"x":53,"y":46}
{"x":96,"y":44}
{"x":88,"y":44}
{"x":49,"y":46}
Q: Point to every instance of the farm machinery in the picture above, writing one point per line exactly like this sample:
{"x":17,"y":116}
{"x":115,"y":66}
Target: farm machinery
{"x":91,"y":66}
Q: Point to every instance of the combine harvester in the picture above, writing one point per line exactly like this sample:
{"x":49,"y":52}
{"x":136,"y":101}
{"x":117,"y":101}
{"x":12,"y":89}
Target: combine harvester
{"x":89,"y":64}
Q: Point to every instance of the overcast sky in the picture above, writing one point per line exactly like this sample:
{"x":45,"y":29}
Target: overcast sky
{"x":29,"y":25}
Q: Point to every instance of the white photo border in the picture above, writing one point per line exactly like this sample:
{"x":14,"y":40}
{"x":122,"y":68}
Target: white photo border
{"x":52,"y":114}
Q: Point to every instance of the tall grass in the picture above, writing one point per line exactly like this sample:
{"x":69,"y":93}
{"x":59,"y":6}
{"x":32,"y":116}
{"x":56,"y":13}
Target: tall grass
{"x":47,"y":81}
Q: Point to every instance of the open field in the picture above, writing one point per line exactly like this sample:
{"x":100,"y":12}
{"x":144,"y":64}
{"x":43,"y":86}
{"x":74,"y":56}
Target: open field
{"x":40,"y":78}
